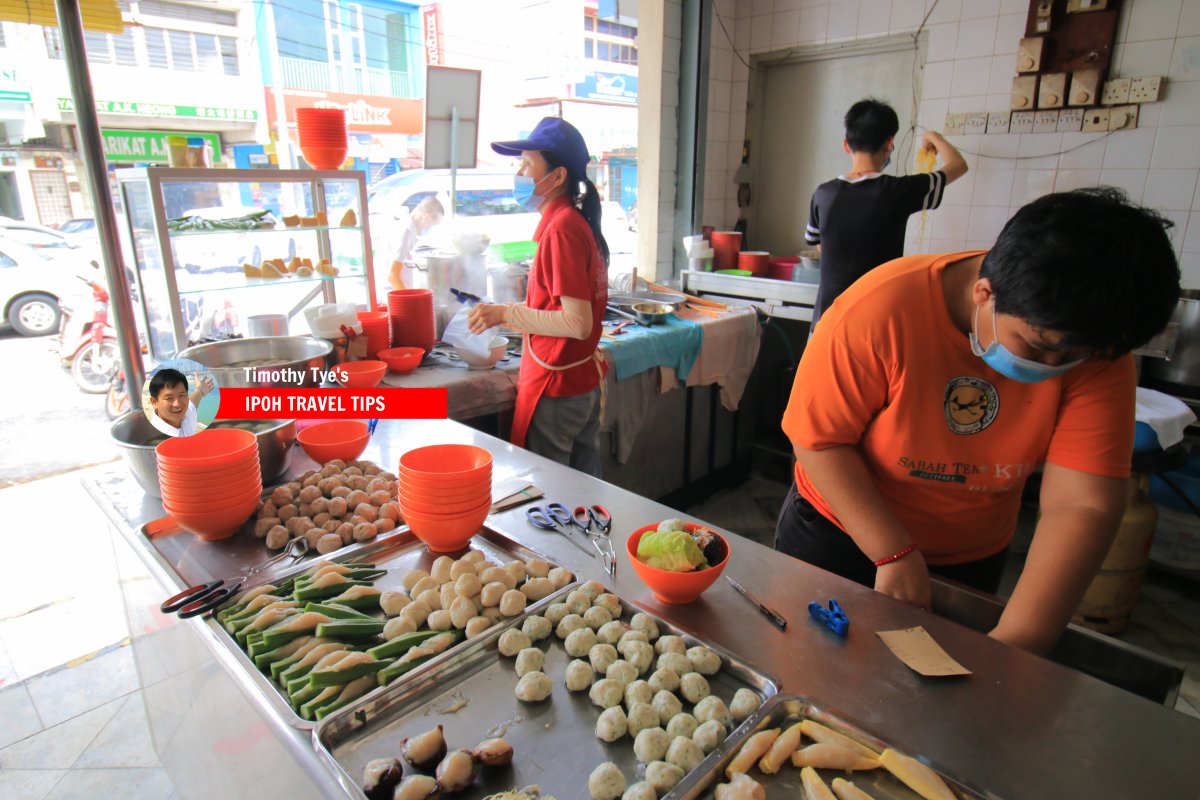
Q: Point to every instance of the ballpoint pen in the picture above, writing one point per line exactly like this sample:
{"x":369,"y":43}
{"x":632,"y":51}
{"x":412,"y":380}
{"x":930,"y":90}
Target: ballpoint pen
{"x":775,"y":617}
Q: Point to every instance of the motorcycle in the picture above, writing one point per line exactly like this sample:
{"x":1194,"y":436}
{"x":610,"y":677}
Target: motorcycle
{"x":89,"y":346}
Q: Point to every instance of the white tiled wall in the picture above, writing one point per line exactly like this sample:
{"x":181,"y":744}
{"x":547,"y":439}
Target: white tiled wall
{"x":969,"y":67}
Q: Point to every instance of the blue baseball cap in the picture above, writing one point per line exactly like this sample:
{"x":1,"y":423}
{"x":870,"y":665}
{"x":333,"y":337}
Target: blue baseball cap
{"x":552,"y":135}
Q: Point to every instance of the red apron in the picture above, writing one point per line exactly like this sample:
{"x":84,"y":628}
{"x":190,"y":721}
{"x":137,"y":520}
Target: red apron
{"x":532,"y":381}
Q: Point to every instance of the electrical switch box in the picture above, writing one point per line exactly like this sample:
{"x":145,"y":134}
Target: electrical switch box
{"x":1085,"y":88}
{"x":1122,"y":118}
{"x":1070,"y":120}
{"x":1081,"y":6}
{"x":1052,"y":90}
{"x":1043,"y":14}
{"x":1029,"y":54}
{"x":956,"y":124}
{"x":1095,"y":119}
{"x":1045,"y":121}
{"x":1116,"y":92}
{"x":1024,"y":91}
{"x":998,"y":122}
{"x":1022,"y":122}
{"x":1145,"y":90}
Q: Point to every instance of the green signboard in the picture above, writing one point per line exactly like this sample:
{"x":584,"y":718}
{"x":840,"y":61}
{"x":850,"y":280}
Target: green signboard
{"x":165,"y":110}
{"x":148,"y":147}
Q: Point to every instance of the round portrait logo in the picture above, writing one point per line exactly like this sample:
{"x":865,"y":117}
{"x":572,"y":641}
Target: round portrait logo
{"x":971,"y":404}
{"x":180,"y":397}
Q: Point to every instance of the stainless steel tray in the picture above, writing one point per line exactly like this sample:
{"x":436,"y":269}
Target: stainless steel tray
{"x":398,"y":552}
{"x":784,"y":710}
{"x":554,"y":741}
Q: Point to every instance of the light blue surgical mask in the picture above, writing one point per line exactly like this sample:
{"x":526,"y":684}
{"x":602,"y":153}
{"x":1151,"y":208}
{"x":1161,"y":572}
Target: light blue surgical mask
{"x":1010,"y":365}
{"x":525,"y":192}
{"x":886,"y":162}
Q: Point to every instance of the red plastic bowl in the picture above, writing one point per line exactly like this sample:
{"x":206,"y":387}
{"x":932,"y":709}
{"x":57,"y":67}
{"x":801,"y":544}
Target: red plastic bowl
{"x":213,"y":475}
{"x":427,"y":494}
{"x":438,"y":509}
{"x":362,"y":374}
{"x":454,"y":461}
{"x":444,"y":486}
{"x":241,"y":477}
{"x":216,"y":524}
{"x":208,"y":448}
{"x":402,"y":360}
{"x":325,"y":157}
{"x":197,"y":502}
{"x":344,"y":438}
{"x":445,"y":535}
{"x":676,"y":588}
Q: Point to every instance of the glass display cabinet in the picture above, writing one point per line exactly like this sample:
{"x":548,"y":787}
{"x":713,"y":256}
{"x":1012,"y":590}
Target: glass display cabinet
{"x":214,"y":247}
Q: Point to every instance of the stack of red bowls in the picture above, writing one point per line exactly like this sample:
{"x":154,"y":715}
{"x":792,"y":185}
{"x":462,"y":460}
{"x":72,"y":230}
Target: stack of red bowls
{"x":410,"y":312}
{"x":726,"y":245}
{"x":324,"y":139}
{"x":756,"y":261}
{"x":782,"y":268}
{"x":375,"y":328}
{"x":210,"y":481}
{"x":445,"y":494}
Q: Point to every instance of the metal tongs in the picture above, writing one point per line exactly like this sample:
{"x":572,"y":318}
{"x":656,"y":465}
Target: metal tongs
{"x":597,"y":516}
{"x":196,"y":600}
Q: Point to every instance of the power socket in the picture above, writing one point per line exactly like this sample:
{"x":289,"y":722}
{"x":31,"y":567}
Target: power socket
{"x":1052,"y":90}
{"x":956,"y":125}
{"x":1070,"y":120}
{"x":998,"y":122}
{"x":1024,"y":91}
{"x":1145,"y":90}
{"x":1116,"y":92}
{"x":1085,"y":86}
{"x":1095,"y":119}
{"x":1045,"y":121}
{"x":1022,"y":122}
{"x":1122,"y":118}
{"x":976,"y":123}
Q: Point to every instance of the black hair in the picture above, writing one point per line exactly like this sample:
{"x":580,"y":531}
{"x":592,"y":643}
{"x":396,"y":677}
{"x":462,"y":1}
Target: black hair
{"x":166,"y":378}
{"x":1089,"y":264}
{"x":869,"y":124}
{"x":587,"y":203}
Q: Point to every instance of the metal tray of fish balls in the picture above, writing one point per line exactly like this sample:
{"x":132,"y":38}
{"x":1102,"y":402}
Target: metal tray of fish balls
{"x":398,"y":553}
{"x":472,"y":695}
{"x":785,"y":710}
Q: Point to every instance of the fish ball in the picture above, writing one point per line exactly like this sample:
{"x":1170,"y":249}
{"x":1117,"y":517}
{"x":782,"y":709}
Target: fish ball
{"x":682,"y":725}
{"x":462,"y":567}
{"x":618,"y":670}
{"x":512,"y":602}
{"x":491,"y":593}
{"x":512,"y":642}
{"x":713,"y":708}
{"x":446,"y":595}
{"x":597,"y":617}
{"x":337,"y":507}
{"x":537,"y":567}
{"x":461,"y":612}
{"x":440,"y":569}
{"x":663,"y":776}
{"x":677,"y":663}
{"x":609,"y":602}
{"x":477,"y":625}
{"x":693,"y":687}
{"x":578,"y":602}
{"x":611,"y":724}
{"x":651,"y":745}
{"x":533,"y":687}
{"x":580,"y":642}
{"x":606,"y":693}
{"x":277,"y":538}
{"x":398,"y":627}
{"x":704,"y":661}
{"x":422,"y":585}
{"x":638,"y":692}
{"x":641,"y":716}
{"x":578,"y":676}
{"x":468,"y":585}
{"x":601,"y":656}
{"x":516,"y":570}
{"x":538,"y":588}
{"x":555,"y":612}
{"x":536,"y":628}
{"x":439,"y":620}
{"x":328,"y":543}
{"x":559,"y":577}
{"x":684,"y":753}
{"x":640,"y":654}
{"x":709,"y":736}
{"x":606,"y":782}
{"x":569,"y":624}
{"x":433,"y":599}
{"x":611,"y":632}
{"x":664,"y":680}
{"x":667,"y":705}
{"x":530,"y":659}
{"x":640,"y":791}
{"x":646,"y":624}
{"x":670,"y":644}
{"x":745,"y":702}
{"x":416,"y":611}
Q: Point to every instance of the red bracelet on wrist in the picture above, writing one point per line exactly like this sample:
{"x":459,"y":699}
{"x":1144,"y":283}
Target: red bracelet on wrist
{"x":883,"y":562}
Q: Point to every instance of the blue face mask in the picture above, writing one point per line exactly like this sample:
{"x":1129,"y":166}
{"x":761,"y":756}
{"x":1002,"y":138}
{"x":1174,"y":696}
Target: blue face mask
{"x":1004,"y":361}
{"x":525,"y":192}
{"x":886,"y":161}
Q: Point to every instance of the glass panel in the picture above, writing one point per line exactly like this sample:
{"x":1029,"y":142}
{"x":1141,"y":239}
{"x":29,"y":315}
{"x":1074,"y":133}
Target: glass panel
{"x":98,"y":51}
{"x":207,"y":59}
{"x":181,"y":50}
{"x":229,"y":57}
{"x":123,"y":51}
{"x":53,"y":42}
{"x":156,"y":48}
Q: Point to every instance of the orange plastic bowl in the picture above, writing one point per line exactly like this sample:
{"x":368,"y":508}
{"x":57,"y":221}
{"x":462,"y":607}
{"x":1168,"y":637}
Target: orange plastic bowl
{"x":219,"y":477}
{"x":330,"y":157}
{"x":446,"y":461}
{"x":217,"y":524}
{"x":402,"y":360}
{"x":676,"y":588}
{"x":445,"y":535}
{"x":473,"y":495}
{"x":344,"y":438}
{"x":202,"y":501}
{"x":444,"y":487}
{"x":362,"y":374}
{"x":222,"y":489}
{"x":208,"y":448}
{"x":438,"y":509}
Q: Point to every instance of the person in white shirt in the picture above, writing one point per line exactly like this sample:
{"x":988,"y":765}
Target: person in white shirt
{"x":174,"y":409}
{"x":429,"y":212}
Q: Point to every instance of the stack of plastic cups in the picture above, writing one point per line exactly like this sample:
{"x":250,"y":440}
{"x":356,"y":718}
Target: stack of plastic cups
{"x":699,"y":254}
{"x":410,"y":316}
{"x":726,"y":245}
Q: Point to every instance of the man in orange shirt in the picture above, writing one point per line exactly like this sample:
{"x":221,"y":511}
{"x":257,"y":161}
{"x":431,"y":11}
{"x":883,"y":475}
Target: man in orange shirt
{"x":938,"y":383}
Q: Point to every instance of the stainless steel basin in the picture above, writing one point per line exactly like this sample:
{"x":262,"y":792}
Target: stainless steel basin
{"x":263,"y":362}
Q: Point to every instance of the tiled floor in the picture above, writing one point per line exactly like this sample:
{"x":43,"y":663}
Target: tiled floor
{"x":74,"y":724}
{"x":1166,"y":620}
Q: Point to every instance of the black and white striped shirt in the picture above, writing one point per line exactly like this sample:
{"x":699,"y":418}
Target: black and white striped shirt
{"x":860,"y":224}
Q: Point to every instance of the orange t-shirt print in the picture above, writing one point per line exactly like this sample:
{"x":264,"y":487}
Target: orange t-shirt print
{"x":948,"y":441}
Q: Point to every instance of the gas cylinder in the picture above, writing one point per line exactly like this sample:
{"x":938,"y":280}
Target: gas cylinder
{"x":1112,"y":595}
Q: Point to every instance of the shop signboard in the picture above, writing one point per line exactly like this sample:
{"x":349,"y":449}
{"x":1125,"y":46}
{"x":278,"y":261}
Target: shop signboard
{"x":165,"y":110}
{"x":431,"y":25}
{"x":12,"y":87}
{"x":148,"y":147}
{"x":611,"y":86}
{"x":365,"y":113}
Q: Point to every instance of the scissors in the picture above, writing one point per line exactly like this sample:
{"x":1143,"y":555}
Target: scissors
{"x":196,"y":600}
{"x":555,"y":517}
{"x":596,"y":516}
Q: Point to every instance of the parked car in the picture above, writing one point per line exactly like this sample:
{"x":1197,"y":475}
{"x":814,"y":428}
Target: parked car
{"x":34,"y":281}
{"x":79,"y":231}
{"x":39,"y":237}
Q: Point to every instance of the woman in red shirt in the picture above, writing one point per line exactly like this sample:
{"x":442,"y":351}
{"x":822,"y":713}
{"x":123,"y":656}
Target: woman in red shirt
{"x":557,"y":414}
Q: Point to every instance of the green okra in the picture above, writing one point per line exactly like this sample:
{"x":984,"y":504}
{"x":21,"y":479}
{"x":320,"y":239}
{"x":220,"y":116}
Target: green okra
{"x":320,"y":648}
{"x":396,"y":669}
{"x":351,"y":628}
{"x":401,"y":644}
{"x":309,"y":709}
{"x":351,"y":692}
{"x":305,"y":593}
{"x":262,"y":660}
{"x":337,"y":610}
{"x":339,"y":675}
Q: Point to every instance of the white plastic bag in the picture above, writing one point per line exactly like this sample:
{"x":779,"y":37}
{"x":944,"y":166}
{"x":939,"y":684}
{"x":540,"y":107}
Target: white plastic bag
{"x":458,"y":334}
{"x":1167,"y":415}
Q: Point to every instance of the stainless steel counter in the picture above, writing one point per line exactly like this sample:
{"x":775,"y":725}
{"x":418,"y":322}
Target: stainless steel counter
{"x":1020,"y":726}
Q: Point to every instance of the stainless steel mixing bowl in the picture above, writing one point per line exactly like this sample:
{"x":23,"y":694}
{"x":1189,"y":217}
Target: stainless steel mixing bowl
{"x":227,"y":361}
{"x":133,"y":433}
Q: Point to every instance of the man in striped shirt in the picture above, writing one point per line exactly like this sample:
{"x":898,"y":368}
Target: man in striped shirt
{"x":857,"y":220}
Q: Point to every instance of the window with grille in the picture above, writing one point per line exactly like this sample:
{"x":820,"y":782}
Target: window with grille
{"x":109,"y":48}
{"x":2,"y":42}
{"x":54,"y":48}
{"x":166,"y":8}
{"x":605,"y":40}
{"x":192,"y":52}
